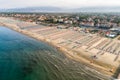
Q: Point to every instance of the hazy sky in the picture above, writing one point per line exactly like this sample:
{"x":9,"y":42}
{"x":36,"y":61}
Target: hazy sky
{"x":58,"y":3}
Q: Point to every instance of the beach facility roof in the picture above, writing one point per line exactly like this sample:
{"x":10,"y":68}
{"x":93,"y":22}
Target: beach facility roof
{"x":111,"y":34}
{"x":118,"y":29}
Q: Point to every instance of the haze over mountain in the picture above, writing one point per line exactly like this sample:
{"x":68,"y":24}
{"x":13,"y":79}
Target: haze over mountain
{"x":60,"y":5}
{"x":57,"y":9}
{"x":32,"y":9}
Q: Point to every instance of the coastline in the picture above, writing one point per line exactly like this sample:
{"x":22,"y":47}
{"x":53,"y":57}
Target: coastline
{"x":69,"y":53}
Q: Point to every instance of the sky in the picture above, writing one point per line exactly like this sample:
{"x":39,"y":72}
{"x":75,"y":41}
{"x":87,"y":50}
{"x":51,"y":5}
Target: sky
{"x":58,"y":3}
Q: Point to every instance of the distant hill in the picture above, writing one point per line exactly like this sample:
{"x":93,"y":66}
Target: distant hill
{"x":33,"y":9}
{"x":98,"y":9}
{"x":57,"y":9}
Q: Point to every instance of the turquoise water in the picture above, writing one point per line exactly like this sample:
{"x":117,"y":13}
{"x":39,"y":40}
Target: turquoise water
{"x":24,"y":58}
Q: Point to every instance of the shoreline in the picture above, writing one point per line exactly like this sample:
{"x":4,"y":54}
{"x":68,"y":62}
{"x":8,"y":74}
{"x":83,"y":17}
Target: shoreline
{"x":68,"y":53}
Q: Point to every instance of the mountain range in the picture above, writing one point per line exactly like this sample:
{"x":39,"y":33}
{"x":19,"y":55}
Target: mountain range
{"x":57,"y":9}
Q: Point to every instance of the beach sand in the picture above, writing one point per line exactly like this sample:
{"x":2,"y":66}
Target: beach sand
{"x":65,"y":40}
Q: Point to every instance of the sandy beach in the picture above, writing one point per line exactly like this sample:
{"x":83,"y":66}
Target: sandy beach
{"x":102,"y":54}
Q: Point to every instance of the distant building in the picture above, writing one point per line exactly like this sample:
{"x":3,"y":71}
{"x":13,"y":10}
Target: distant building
{"x":62,"y":27}
{"x":117,"y":28}
{"x":42,"y":18}
{"x":111,"y":34}
{"x":60,"y":20}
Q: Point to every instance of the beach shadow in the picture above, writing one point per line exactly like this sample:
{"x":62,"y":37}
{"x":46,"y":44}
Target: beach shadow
{"x":117,"y":72}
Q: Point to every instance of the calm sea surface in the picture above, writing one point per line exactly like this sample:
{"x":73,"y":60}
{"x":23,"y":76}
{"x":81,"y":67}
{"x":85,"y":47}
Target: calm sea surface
{"x":24,"y":58}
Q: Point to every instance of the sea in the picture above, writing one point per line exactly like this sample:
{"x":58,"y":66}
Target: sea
{"x":25,"y":58}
